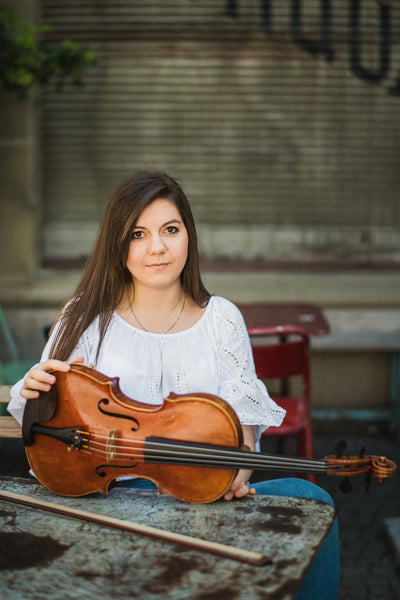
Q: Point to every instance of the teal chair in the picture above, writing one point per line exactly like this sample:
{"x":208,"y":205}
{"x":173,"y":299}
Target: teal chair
{"x":13,"y":369}
{"x":12,"y":452}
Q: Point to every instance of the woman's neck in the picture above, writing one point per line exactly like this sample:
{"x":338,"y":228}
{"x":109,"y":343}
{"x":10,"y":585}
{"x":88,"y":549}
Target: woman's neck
{"x":149,"y":300}
{"x":155,"y":310}
{"x":160,"y":311}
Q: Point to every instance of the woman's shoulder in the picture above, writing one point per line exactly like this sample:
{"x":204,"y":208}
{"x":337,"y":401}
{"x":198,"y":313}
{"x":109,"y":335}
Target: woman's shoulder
{"x":224,"y":304}
{"x":225,"y":308}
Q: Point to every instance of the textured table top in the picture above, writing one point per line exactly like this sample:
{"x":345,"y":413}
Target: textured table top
{"x":44,"y":555}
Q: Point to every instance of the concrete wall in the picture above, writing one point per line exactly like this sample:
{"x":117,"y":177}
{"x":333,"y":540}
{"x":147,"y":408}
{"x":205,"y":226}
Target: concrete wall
{"x":20,"y":174}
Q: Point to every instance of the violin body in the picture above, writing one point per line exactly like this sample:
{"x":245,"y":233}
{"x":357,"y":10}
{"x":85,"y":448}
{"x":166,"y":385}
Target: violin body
{"x":85,"y":433}
{"x":102,"y":423}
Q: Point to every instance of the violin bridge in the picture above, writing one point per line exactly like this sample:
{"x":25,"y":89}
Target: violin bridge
{"x":111,"y":447}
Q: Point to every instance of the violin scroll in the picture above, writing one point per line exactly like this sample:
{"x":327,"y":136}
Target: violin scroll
{"x":380,"y":467}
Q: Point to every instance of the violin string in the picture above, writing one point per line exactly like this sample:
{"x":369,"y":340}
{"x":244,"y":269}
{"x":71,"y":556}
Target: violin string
{"x":220,"y":463}
{"x":216,"y":454}
{"x":230,"y":458}
{"x":178,"y":453}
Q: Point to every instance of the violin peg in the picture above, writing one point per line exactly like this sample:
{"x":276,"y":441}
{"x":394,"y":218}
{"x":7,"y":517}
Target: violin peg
{"x":339,"y":447}
{"x":345,"y":485}
{"x":368,"y":477}
{"x":361,"y":451}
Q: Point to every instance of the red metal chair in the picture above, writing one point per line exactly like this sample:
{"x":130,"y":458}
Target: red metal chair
{"x":282,"y":353}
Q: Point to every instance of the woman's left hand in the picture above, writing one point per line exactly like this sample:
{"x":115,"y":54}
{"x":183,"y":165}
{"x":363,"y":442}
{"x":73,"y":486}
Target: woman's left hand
{"x":240,"y":486}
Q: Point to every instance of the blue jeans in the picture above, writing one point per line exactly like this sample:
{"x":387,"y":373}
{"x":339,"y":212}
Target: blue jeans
{"x":322,"y":579}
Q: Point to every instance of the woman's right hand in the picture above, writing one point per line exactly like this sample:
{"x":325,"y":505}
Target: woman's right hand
{"x":39,"y":379}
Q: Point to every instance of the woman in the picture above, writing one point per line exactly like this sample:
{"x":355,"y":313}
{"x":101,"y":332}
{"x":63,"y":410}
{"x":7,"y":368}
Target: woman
{"x":141,"y":312}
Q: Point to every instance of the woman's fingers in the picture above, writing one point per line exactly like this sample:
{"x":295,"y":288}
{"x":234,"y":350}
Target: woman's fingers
{"x":39,"y":379}
{"x":29,"y":394}
{"x":78,"y":359}
{"x":240,"y":487}
{"x":239,"y":490}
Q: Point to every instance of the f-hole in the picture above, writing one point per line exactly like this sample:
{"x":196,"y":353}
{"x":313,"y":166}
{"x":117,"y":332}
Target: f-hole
{"x":104,"y":402}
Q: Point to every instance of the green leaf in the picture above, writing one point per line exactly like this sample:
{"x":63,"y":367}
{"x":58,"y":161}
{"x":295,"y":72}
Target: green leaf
{"x":25,"y":58}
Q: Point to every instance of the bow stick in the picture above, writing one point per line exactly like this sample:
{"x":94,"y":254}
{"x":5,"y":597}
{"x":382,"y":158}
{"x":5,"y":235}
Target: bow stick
{"x":247,"y":556}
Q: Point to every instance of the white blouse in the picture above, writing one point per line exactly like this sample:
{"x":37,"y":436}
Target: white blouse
{"x":213,"y":356}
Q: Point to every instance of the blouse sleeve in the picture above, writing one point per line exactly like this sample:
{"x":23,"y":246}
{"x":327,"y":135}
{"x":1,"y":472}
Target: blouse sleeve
{"x":16,"y":405}
{"x":240,"y":386}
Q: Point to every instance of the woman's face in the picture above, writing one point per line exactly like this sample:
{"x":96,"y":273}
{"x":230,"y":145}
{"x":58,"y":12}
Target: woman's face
{"x":159,"y":246}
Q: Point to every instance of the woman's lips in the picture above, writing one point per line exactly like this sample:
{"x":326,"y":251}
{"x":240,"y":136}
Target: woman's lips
{"x":157,"y":266}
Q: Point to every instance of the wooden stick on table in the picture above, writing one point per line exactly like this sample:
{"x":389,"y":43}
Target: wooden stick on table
{"x":247,"y":556}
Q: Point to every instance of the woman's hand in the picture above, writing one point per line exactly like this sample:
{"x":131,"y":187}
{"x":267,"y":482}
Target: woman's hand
{"x":39,"y":379}
{"x":240,"y":486}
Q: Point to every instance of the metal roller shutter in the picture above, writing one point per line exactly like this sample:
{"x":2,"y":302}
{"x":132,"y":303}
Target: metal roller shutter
{"x":281,"y":120}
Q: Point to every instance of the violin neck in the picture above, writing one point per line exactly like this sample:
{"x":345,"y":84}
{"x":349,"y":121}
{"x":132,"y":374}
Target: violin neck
{"x":165,"y":451}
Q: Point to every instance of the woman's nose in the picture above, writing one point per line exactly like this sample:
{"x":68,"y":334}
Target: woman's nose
{"x":157,"y":245}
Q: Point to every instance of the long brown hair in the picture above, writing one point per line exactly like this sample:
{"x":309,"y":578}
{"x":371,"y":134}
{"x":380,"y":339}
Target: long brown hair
{"x":105,"y":277}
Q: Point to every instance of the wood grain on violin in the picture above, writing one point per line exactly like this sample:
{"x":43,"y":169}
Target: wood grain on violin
{"x":85,"y":433}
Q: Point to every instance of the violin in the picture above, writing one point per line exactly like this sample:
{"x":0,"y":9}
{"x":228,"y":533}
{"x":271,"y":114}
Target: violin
{"x":85,"y":433}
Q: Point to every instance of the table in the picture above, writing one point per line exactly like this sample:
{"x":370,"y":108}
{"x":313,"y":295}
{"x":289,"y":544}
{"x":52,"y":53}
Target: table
{"x":270,"y":314}
{"x":48,"y":556}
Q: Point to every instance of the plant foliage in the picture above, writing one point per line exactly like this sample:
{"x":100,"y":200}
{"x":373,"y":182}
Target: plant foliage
{"x":27,"y":59}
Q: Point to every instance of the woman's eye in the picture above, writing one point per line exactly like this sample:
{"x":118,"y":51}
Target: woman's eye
{"x":137,"y":235}
{"x":172,"y":229}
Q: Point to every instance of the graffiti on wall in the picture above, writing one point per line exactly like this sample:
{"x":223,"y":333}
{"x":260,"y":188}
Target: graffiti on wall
{"x":323,"y":46}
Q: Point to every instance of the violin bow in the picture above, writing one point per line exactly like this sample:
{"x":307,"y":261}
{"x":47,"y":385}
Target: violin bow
{"x":247,"y":556}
